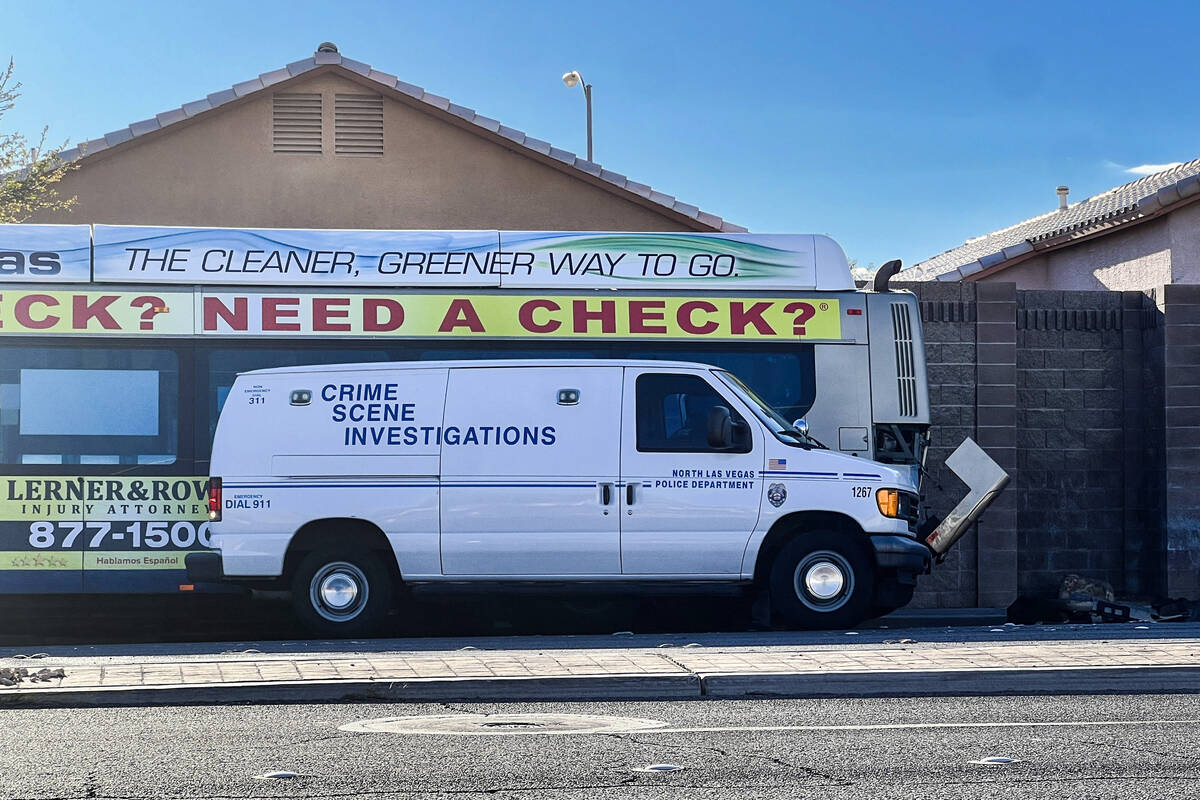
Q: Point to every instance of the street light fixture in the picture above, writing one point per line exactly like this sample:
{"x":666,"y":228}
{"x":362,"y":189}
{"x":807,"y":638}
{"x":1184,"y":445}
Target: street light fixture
{"x":571,"y":80}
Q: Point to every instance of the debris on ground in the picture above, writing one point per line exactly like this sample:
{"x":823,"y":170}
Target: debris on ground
{"x":1080,"y":594}
{"x":1176,"y":609}
{"x":11,"y":676}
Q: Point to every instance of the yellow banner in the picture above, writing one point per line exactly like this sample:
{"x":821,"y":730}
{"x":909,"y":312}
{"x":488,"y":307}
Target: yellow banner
{"x":419,"y":316}
{"x":127,"y":559}
{"x":46,"y":497}
{"x":41,"y":560}
{"x":599,"y":315}
{"x":154,"y":312}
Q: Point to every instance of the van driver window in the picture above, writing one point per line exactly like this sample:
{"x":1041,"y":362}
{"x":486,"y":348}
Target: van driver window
{"x":672,"y":415}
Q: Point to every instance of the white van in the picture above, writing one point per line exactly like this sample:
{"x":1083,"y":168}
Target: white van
{"x":346,"y":482}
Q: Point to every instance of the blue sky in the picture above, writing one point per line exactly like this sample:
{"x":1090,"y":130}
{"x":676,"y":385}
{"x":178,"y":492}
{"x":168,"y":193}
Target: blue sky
{"x":900,"y":129}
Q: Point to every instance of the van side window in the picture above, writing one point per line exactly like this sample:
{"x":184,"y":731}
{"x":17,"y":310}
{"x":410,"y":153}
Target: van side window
{"x":672,"y":415}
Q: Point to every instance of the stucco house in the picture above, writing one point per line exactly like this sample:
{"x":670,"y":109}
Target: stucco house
{"x":1138,"y":236}
{"x":330,"y":142}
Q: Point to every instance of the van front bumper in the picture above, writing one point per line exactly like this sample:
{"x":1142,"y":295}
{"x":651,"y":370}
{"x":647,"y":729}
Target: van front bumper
{"x":901,"y":554}
{"x":204,"y":567}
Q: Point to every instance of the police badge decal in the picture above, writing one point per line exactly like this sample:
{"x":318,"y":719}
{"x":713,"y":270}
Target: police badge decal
{"x":776,"y":494}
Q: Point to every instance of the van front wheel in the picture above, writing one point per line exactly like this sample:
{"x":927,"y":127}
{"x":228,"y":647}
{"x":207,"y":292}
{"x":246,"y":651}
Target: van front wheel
{"x":341,"y":593}
{"x":823,"y":579}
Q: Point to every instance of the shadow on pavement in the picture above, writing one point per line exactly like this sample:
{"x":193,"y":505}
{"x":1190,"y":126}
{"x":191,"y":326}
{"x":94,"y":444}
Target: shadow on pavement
{"x":118,"y":619}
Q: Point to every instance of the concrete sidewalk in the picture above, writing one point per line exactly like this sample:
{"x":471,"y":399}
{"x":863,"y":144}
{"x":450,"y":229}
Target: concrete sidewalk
{"x":564,"y":670}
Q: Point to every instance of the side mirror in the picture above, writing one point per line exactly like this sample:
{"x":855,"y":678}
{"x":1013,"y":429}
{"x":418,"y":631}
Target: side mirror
{"x":801,"y":425}
{"x":720,"y":428}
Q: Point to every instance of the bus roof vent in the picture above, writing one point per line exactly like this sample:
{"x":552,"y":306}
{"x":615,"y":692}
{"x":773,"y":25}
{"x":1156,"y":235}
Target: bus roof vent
{"x":906,"y":372}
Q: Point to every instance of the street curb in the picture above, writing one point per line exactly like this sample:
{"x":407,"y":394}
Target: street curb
{"x":409,"y":690}
{"x":950,"y":683}
{"x":925,"y":683}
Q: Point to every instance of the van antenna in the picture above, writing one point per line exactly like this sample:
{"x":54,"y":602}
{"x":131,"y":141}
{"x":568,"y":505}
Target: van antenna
{"x":885,"y":274}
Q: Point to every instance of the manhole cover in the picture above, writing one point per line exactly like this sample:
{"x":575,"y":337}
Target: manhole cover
{"x":502,"y":724}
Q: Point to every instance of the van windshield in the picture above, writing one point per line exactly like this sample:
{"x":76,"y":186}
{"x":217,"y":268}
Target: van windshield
{"x":768,"y":416}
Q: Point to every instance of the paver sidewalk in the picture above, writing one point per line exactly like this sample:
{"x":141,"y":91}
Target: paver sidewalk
{"x":788,"y":670}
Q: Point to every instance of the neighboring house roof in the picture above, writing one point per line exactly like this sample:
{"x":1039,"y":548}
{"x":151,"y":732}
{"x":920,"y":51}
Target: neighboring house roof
{"x":433,"y":104}
{"x":1124,"y":205}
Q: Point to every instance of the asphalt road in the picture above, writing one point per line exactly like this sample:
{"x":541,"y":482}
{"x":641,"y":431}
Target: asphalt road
{"x":1067,"y":747}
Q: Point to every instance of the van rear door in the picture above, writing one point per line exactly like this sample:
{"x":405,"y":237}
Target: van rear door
{"x":530,"y":458}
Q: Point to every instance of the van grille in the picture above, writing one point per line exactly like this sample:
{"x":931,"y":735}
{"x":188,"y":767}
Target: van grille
{"x":296,"y":123}
{"x":906,"y":372}
{"x":358,"y":124}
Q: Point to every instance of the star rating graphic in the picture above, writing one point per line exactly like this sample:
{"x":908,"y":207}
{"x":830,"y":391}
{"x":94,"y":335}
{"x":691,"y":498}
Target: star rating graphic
{"x":38,"y":561}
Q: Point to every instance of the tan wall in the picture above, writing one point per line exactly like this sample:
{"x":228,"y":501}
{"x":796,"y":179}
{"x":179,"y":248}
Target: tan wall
{"x":1137,"y":258}
{"x":219,"y":171}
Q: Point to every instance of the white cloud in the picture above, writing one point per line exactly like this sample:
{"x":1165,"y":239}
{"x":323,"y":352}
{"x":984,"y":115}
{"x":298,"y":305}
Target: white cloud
{"x":1150,"y":169}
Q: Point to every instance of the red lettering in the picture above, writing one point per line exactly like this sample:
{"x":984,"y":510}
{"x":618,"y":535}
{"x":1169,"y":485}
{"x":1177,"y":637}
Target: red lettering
{"x":25,"y":319}
{"x":525,"y":316}
{"x":83,"y":312}
{"x":461,"y":314}
{"x":237,"y":318}
{"x":740,"y":317}
{"x":607,"y":315}
{"x":373,"y":321}
{"x":323,"y":311}
{"x":643,"y":312}
{"x":274,"y":310}
{"x":684,"y":317}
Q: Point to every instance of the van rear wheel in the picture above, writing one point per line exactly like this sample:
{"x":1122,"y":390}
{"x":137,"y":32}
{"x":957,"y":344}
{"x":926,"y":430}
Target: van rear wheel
{"x":822,"y":579}
{"x":341,"y":593}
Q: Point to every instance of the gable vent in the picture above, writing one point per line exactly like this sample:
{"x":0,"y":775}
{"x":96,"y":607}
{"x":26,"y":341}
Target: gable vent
{"x":358,"y":124}
{"x":906,"y":371}
{"x":296,"y":123}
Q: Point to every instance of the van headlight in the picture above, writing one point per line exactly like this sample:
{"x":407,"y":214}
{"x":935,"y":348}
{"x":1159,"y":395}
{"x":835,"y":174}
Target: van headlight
{"x":896,"y":504}
{"x":888,"y":501}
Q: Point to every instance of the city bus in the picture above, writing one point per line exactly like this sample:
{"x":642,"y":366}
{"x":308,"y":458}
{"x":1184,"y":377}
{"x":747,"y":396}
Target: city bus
{"x":120,"y":345}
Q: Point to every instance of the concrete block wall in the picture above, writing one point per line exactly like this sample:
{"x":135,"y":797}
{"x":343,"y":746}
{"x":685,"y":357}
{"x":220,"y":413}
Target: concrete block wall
{"x":948,"y":319}
{"x":1181,"y":445}
{"x":1071,"y":436}
{"x":1060,"y":388}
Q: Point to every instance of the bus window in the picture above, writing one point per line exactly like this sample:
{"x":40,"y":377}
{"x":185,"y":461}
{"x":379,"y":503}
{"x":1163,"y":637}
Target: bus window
{"x":784,"y":378}
{"x":88,"y":406}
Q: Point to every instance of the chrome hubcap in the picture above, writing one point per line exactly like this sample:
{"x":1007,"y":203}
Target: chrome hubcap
{"x":339,"y":591}
{"x":824,"y":581}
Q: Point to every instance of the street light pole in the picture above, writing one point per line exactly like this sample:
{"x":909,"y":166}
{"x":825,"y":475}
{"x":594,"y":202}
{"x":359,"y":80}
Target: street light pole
{"x":572,"y":79}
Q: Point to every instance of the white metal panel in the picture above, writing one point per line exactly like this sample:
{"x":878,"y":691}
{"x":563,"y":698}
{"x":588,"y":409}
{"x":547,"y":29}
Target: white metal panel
{"x":532,"y":504}
{"x":352,"y":419}
{"x":692,"y":513}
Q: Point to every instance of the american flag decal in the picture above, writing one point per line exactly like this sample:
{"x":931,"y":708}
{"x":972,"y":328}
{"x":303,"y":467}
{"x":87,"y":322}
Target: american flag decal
{"x":776,"y":463}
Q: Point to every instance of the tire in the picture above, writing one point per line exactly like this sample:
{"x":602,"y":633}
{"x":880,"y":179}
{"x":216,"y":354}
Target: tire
{"x":362,"y":604}
{"x":822,"y":579}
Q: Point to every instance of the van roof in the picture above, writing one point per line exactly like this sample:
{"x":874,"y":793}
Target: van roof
{"x":380,"y":366}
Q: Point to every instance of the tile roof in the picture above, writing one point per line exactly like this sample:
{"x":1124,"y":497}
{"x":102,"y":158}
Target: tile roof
{"x":487,"y":125}
{"x":1131,"y":202}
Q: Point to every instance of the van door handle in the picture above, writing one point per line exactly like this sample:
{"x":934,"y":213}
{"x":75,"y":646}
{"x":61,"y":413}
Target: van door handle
{"x":629,"y":493}
{"x":606,"y":491}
